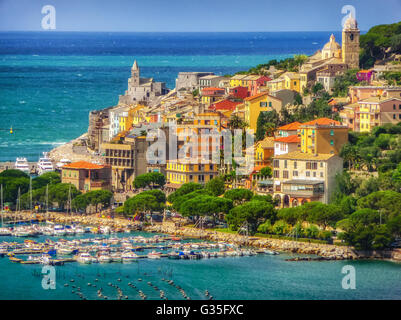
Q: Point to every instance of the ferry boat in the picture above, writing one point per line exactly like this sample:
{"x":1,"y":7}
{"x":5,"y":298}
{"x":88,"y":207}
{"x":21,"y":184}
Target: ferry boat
{"x":44,"y":164}
{"x":129,"y":256}
{"x":22,"y":164}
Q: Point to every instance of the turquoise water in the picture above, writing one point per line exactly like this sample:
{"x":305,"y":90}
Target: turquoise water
{"x":255,"y":277}
{"x":50,"y":81}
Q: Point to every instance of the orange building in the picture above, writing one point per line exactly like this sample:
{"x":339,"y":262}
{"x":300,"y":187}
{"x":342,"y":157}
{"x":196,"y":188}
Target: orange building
{"x":87,"y":176}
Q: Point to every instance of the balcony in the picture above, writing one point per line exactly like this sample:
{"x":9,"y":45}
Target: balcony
{"x":303,"y":188}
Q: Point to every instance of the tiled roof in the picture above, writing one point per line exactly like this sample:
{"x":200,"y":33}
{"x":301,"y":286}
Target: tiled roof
{"x":83,"y":165}
{"x":290,"y":139}
{"x":291,"y":126}
{"x":225,"y":105}
{"x":322,"y":122}
{"x":267,"y":143}
{"x":298,"y":155}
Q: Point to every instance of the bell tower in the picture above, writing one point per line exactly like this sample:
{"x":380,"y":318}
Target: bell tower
{"x":350,"y":43}
{"x":135,"y":74}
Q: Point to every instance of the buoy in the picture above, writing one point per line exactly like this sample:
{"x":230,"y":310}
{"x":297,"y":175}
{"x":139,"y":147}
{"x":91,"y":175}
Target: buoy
{"x":11,"y":130}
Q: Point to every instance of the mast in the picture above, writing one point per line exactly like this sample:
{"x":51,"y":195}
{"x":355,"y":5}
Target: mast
{"x":30,"y":197}
{"x":2,"y":212}
{"x":47,"y":201}
{"x":69,"y":200}
{"x":18,"y":206}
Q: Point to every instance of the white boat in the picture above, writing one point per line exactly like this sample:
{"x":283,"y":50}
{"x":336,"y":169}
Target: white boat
{"x":65,"y":250}
{"x":21,"y":233}
{"x":59,"y":230}
{"x":62,"y":163}
{"x":116,"y":257}
{"x":22,"y":164}
{"x":104,"y":258}
{"x":85,"y":258}
{"x":129,"y":256}
{"x":154,"y":255}
{"x":5,"y":232}
{"x":44,"y":164}
{"x":271,"y":252}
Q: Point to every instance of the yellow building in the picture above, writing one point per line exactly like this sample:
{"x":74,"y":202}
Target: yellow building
{"x":323,"y":135}
{"x":264,"y":151}
{"x":179,"y":172}
{"x":292,"y":81}
{"x":254,"y":105}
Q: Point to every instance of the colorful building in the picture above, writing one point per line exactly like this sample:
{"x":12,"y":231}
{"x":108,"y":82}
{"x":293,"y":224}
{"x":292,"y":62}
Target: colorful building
{"x":288,"y":129}
{"x":211,"y":95}
{"x":86,"y":176}
{"x":284,"y":145}
{"x":258,"y":103}
{"x":323,"y":135}
{"x":264,"y":151}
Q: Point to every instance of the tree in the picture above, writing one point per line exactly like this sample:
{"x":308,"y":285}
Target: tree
{"x":99,"y":197}
{"x":150,"y":179}
{"x":142,"y":202}
{"x":205,"y":205}
{"x":253,"y":212}
{"x":289,"y":215}
{"x":47,"y":178}
{"x":60,"y":193}
{"x":238,"y":196}
{"x":80,"y":202}
{"x":266,"y":172}
{"x":325,"y":215}
{"x":184,"y":189}
{"x":266,"y":123}
{"x":216,"y":186}
{"x":13,"y":173}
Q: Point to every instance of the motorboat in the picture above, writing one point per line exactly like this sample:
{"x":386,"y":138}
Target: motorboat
{"x":129,"y":256}
{"x":154,"y":255}
{"x":84,"y":258}
{"x":104,"y":258}
{"x":59,"y":230}
{"x":22,"y":164}
{"x":44,"y":164}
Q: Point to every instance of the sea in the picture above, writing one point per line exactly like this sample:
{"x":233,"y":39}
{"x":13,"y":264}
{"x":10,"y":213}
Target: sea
{"x":49,"y":81}
{"x":260,"y":277}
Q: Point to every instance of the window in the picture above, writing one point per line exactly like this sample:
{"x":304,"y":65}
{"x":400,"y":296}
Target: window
{"x":332,"y":142}
{"x":295,"y":164}
{"x":263,"y":104}
{"x":270,"y":104}
{"x":314,"y":174}
{"x":394,"y":117}
{"x":394,"y":107}
{"x":321,"y":164}
{"x":321,"y":174}
{"x":285,"y":164}
{"x":276,"y":163}
{"x":285,"y":174}
{"x":332,"y":132}
{"x":295,"y":173}
{"x":308,"y":173}
{"x":276,"y":174}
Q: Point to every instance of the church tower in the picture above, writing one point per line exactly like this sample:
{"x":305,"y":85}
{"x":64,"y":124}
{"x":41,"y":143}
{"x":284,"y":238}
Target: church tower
{"x":135,"y":75}
{"x":350,"y":43}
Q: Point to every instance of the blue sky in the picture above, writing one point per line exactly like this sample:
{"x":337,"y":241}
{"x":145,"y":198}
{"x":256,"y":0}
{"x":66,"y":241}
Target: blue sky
{"x":196,"y":15}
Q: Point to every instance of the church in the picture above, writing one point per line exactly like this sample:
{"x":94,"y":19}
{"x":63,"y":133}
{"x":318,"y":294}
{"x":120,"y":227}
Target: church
{"x":324,"y":65}
{"x":143,"y":90}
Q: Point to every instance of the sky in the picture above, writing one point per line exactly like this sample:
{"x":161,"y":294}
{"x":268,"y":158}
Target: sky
{"x":195,"y":15}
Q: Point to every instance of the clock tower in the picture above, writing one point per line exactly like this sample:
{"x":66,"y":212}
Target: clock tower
{"x":350,"y":43}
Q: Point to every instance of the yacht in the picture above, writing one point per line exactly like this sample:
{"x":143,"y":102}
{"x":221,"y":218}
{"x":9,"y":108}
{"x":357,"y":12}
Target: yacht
{"x":62,"y":163}
{"x":129,"y":256}
{"x":104,"y":258}
{"x":85,"y":258}
{"x":22,"y":164}
{"x":44,"y":164}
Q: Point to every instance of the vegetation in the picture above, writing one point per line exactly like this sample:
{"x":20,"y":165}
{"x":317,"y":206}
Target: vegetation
{"x":150,"y":200}
{"x":379,"y":42}
{"x":150,"y":179}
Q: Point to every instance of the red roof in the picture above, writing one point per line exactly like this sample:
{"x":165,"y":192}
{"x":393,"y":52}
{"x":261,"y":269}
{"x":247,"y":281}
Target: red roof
{"x":212,"y":89}
{"x":225,"y":105}
{"x":322,"y":122}
{"x":290,"y":139}
{"x":291,"y":126}
{"x":261,"y":94}
{"x":83,"y":165}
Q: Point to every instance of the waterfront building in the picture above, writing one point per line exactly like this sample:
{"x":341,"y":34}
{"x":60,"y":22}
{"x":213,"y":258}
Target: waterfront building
{"x":323,"y":135}
{"x":258,"y":103}
{"x":141,"y":89}
{"x":303,"y":177}
{"x":238,"y":92}
{"x":86,"y":176}
{"x":186,"y":170}
{"x":127,"y":158}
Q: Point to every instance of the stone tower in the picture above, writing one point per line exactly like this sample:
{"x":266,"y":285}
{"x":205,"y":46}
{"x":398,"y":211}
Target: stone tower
{"x":350,"y":43}
{"x":135,"y":75}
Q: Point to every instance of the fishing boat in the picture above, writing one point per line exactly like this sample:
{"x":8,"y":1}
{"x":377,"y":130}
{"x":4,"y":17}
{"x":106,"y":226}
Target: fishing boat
{"x":44,"y":164}
{"x":22,"y":164}
{"x":154,"y":255}
{"x":129,"y":256}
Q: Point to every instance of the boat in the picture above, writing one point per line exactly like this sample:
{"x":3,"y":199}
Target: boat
{"x":59,"y":230}
{"x":65,"y":250}
{"x":129,"y":256}
{"x":116,"y":257}
{"x":271,"y":252}
{"x":84,"y":258}
{"x":44,"y":164}
{"x":174,"y":255}
{"x":5,"y":232}
{"x":104,"y":258}
{"x":22,"y":164}
{"x":154,"y":255}
{"x":62,"y":163}
{"x":21,"y":233}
